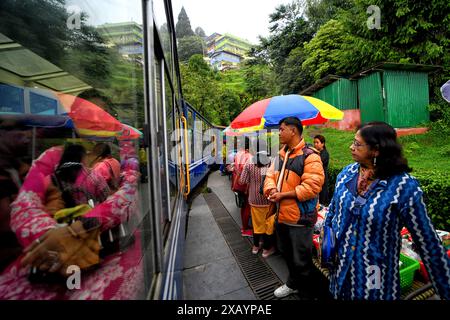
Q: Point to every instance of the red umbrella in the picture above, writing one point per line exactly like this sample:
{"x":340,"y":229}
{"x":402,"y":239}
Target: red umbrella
{"x":89,"y":118}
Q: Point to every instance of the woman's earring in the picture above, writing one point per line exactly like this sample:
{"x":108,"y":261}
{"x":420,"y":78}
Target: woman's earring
{"x":375,"y":161}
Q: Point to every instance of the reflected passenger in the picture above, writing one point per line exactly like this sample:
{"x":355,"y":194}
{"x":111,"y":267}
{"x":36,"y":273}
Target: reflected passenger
{"x":105,"y":165}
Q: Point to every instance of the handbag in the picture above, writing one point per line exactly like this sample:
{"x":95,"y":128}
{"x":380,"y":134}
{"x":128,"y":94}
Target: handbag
{"x":328,"y":256}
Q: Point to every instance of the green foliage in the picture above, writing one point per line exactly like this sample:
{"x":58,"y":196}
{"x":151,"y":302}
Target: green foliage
{"x":259,"y":82}
{"x":221,"y":96}
{"x":282,"y":50}
{"x":440,"y":118}
{"x":436,"y":188}
{"x":200,"y":32}
{"x":324,"y":51}
{"x":293,"y":77}
{"x":319,"y":12}
{"x":200,"y":86}
{"x":189,"y":46}
{"x":81,"y":52}
{"x":49,"y":17}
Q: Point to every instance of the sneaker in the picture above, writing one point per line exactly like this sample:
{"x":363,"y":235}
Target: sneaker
{"x":267,"y":253}
{"x":247,"y":233}
{"x":255,"y":250}
{"x":284,"y":291}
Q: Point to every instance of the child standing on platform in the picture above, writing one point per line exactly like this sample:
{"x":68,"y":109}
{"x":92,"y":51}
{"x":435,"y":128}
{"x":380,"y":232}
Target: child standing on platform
{"x":253,"y":173}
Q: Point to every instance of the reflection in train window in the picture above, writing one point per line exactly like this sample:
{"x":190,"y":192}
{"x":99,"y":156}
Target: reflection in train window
{"x":198,"y":136}
{"x":164,"y":32}
{"x":42,"y":105}
{"x":11,"y":99}
{"x":171,"y":143}
{"x":72,"y":100}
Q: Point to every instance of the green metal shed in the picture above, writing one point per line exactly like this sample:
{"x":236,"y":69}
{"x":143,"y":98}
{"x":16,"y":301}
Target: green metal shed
{"x":337,"y":91}
{"x":395,"y":93}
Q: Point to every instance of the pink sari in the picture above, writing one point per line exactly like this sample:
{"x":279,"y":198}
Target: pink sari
{"x":120,"y":275}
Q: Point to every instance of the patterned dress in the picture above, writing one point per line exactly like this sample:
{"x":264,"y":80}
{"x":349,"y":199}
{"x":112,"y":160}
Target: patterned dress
{"x":369,"y":237}
{"x":119,"y":276}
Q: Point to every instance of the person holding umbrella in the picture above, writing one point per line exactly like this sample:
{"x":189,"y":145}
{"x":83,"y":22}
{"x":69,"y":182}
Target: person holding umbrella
{"x":294,"y":182}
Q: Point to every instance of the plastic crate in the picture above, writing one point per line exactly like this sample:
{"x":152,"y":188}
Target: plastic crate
{"x":407,"y":271}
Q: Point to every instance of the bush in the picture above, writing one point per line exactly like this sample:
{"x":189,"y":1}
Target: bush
{"x":436,"y":189}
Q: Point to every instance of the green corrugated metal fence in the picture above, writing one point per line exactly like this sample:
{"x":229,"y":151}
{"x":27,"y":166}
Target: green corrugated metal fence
{"x":400,"y":98}
{"x":370,"y":94}
{"x":341,"y":94}
{"x":406,"y":98}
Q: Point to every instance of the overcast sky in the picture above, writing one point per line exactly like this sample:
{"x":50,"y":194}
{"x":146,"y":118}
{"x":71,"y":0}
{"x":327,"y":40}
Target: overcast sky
{"x":243,"y":18}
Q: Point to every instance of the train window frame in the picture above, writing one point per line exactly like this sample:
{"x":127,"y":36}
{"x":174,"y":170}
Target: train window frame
{"x":158,"y":24}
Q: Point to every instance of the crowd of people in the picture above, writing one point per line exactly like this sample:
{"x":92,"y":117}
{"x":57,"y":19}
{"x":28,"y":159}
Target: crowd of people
{"x":373,"y":198}
{"x":70,"y":207}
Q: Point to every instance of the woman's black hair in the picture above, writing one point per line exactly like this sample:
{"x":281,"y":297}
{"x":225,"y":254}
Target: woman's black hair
{"x":321,"y":139}
{"x":102,"y":150}
{"x":382,"y":137}
{"x":68,"y":169}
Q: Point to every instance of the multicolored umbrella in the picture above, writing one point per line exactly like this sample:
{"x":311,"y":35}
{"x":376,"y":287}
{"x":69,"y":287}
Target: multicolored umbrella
{"x":445,"y":91}
{"x":129,"y":133}
{"x":267,"y":113}
{"x":90,"y":119}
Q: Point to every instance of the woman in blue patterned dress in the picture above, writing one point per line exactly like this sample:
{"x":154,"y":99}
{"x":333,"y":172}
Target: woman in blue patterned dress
{"x":373,"y":199}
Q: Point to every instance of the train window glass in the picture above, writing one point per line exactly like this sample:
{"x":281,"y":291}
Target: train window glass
{"x":198,"y":133}
{"x":164,"y":31}
{"x":162,"y":156}
{"x":171,"y":144}
{"x":11,"y":99}
{"x":190,"y":124}
{"x":72,"y":101}
{"x":40,"y":104}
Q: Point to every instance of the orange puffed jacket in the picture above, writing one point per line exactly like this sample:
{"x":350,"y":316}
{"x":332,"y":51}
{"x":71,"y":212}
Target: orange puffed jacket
{"x":304,"y":174}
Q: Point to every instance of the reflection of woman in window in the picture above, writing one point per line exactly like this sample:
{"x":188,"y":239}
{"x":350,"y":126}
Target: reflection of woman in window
{"x":105,"y":165}
{"x":52,"y":248}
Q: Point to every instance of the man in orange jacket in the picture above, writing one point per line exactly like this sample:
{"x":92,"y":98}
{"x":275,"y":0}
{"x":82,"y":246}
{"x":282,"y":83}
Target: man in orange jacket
{"x":296,"y":192}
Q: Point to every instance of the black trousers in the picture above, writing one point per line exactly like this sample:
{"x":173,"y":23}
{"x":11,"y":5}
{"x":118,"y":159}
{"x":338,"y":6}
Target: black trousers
{"x":295,"y":245}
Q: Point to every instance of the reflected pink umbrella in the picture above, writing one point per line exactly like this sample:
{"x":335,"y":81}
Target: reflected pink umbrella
{"x":88,"y":118}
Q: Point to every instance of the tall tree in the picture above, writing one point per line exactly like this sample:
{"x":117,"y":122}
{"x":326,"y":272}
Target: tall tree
{"x":410,"y":32}
{"x":318,"y":12}
{"x":200,"y":32}
{"x":200,"y":87}
{"x":183,"y":27}
{"x":325,"y":51}
{"x":288,"y":30}
{"x":189,"y":46}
